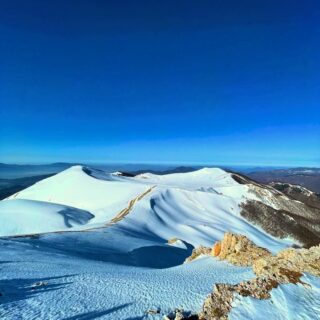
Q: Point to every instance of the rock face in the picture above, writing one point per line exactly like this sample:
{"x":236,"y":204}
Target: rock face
{"x":238,"y":250}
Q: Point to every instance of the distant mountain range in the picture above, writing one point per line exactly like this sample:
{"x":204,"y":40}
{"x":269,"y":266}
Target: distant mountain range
{"x":11,"y":186}
{"x":306,"y":177}
{"x":14,"y":171}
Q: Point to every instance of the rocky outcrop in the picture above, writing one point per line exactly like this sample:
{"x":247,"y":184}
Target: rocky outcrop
{"x":124,"y":212}
{"x":295,"y":260}
{"x":219,"y":303}
{"x":286,"y":267}
{"x":198,"y":252}
{"x":180,"y":315}
{"x":238,"y":250}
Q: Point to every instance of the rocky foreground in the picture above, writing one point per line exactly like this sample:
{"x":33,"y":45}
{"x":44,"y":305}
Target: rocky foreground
{"x":286,"y":267}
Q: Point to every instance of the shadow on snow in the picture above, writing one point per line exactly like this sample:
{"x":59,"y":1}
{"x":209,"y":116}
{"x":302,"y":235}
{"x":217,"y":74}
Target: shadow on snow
{"x":96,"y":314}
{"x":14,"y":290}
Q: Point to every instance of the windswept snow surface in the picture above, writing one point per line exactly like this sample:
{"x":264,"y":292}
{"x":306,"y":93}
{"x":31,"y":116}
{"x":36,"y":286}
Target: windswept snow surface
{"x":79,"y":287}
{"x":29,"y":217}
{"x":103,"y":194}
{"x":203,"y":179}
{"x":291,"y":301}
{"x":118,"y":270}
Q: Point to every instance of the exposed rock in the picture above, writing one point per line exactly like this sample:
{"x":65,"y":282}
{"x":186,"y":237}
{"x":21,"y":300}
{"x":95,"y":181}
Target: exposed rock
{"x":218,"y":303}
{"x":196,"y":252}
{"x":238,"y":250}
{"x":124,"y":212}
{"x":296,"y":260}
{"x":39,"y":285}
{"x":181,"y":315}
{"x":153,"y":311}
{"x":172,"y":240}
{"x":216,"y":249}
{"x":284,"y":268}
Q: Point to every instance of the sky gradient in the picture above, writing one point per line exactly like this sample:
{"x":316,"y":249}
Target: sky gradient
{"x":222,"y":82}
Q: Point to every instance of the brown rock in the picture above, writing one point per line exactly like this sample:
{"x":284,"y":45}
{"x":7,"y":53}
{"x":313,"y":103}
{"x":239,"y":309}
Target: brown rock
{"x":238,"y":250}
{"x":196,"y":252}
{"x":172,"y":240}
{"x":286,"y":267}
{"x":216,"y":249}
{"x":294,"y":260}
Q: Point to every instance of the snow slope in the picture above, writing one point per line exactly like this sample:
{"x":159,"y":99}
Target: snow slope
{"x":287,"y":302}
{"x":83,"y":288}
{"x":196,"y":217}
{"x":203,"y":179}
{"x":104,"y":195}
{"x":29,"y":217}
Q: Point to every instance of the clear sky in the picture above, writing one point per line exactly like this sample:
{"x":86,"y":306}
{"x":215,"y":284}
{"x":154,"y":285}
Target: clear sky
{"x":223,"y":82}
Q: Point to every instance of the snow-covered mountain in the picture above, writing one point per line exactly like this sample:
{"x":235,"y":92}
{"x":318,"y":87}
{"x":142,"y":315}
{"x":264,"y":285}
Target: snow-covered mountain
{"x":198,"y":207}
{"x":100,"y":240}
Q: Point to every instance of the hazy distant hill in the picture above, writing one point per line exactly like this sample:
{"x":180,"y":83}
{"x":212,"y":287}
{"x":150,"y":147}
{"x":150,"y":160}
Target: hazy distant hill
{"x":306,"y":177}
{"x":180,"y":169}
{"x":13,"y":171}
{"x":11,"y":186}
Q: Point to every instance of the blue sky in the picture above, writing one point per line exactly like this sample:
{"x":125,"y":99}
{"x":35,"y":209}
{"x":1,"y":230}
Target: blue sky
{"x":222,"y":82}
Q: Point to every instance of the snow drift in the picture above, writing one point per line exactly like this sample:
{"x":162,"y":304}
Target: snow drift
{"x":31,"y":217}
